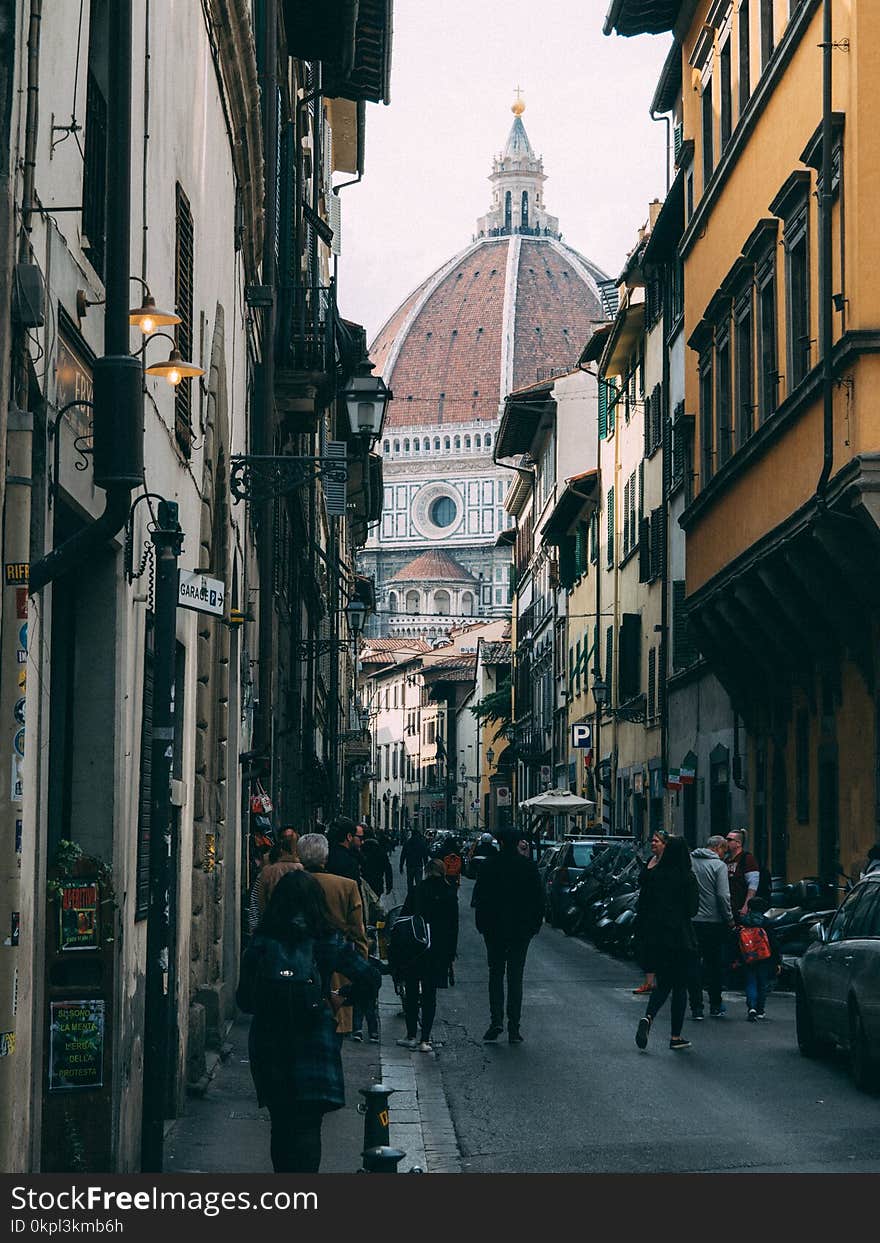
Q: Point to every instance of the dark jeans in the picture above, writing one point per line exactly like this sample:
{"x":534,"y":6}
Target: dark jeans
{"x":413,"y":878}
{"x":296,"y":1138}
{"x":368,"y":1011}
{"x":673,"y":980}
{"x":419,"y":992}
{"x":755,"y":983}
{"x":712,"y":939}
{"x":506,"y":956}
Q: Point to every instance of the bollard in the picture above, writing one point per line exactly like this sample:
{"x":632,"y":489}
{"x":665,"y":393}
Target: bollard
{"x":382,"y":1160}
{"x":375,"y":1110}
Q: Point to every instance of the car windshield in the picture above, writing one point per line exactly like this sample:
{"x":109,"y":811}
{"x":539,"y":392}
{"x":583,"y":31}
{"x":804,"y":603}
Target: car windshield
{"x":582,"y":853}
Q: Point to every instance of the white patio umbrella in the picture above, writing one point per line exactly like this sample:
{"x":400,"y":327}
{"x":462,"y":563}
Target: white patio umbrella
{"x":558,"y":803}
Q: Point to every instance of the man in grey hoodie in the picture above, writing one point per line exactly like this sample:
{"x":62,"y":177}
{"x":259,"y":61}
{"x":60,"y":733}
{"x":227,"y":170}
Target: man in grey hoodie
{"x":712,"y":924}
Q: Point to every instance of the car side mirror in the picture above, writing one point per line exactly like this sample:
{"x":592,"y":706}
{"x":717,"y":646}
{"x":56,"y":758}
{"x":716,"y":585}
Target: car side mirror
{"x":818,"y":934}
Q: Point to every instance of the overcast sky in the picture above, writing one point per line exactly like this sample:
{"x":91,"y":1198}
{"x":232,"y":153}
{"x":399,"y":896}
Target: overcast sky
{"x":455,"y":66}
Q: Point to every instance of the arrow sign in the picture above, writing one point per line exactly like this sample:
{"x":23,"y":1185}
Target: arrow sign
{"x":203,"y":594}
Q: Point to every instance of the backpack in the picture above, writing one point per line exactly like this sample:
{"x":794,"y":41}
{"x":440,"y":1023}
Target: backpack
{"x":409,"y":940}
{"x":754,"y":945}
{"x":452,"y":863}
{"x":283,"y":980}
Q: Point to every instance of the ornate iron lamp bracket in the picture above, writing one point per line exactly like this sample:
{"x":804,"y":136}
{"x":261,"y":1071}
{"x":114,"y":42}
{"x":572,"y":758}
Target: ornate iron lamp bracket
{"x":263,"y":478}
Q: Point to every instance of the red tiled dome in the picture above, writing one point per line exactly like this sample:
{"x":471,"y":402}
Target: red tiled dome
{"x":505,"y":312}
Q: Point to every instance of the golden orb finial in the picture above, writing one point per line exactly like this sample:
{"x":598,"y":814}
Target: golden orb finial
{"x":518,"y":106}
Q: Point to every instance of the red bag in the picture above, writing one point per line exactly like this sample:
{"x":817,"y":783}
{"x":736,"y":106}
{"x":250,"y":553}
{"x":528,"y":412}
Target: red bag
{"x":754,"y":945}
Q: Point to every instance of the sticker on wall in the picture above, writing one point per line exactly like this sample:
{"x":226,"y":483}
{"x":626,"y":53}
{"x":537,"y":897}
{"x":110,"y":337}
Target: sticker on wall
{"x":21,"y":603}
{"x":78,"y":915}
{"x":15,"y":927}
{"x":16,"y":792}
{"x":18,"y":711}
{"x":22,"y":636}
{"x":18,"y":742}
{"x":16,"y":572}
{"x":18,"y":827}
{"x":15,"y":992}
{"x":210,"y":851}
{"x":22,"y":680}
{"x":21,"y":656}
{"x":7,"y":1044}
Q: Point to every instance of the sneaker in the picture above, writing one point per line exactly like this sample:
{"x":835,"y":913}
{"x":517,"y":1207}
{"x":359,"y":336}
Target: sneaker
{"x":357,"y":1036}
{"x":514,"y":1036}
{"x":493,"y":1032}
{"x":643,"y":988}
{"x":697,"y":1016}
{"x":760,"y":1015}
{"x":679,"y":1042}
{"x":426,"y":1047}
{"x":642,"y":1032}
{"x":753,"y":1016}
{"x":374,"y":1039}
{"x":408,"y":1042}
{"x":717,"y":1012}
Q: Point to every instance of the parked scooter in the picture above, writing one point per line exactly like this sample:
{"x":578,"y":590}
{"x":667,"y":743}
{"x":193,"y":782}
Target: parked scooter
{"x":799,"y":906}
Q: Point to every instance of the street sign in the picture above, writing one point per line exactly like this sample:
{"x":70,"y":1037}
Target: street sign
{"x":203,"y":594}
{"x":502,"y":796}
{"x":582,"y":737}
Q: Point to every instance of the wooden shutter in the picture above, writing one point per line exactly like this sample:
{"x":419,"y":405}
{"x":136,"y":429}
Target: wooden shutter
{"x":632,"y":512}
{"x":580,"y":550}
{"x":594,"y":537}
{"x":609,"y":551}
{"x":630,"y":649}
{"x":647,"y":425}
{"x":626,"y":507}
{"x":684,"y":651}
{"x":567,"y":562}
{"x":651,"y":711}
{"x":603,"y":409}
{"x":609,"y":663}
{"x":645,"y":550}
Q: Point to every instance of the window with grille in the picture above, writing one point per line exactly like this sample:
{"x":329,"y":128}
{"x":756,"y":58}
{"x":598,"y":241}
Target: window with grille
{"x":183,"y":304}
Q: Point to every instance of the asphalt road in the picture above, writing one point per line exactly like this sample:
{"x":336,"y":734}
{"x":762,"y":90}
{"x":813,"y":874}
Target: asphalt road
{"x":578,"y":1096}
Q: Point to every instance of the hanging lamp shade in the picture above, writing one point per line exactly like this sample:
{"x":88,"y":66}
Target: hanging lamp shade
{"x":175,"y":369}
{"x":148,"y":317}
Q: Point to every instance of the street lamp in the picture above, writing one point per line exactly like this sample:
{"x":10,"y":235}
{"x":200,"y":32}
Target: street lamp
{"x":355,"y":612}
{"x":600,"y":692}
{"x":175,"y":368}
{"x":490,"y":756}
{"x":367,"y":397}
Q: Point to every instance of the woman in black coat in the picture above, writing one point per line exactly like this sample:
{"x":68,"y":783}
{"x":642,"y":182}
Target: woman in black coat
{"x":668,"y":901}
{"x":294,"y":1050}
{"x":437,"y":902}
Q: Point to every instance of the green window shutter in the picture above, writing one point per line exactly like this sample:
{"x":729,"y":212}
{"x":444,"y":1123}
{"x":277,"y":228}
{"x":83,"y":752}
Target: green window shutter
{"x":612,"y":407}
{"x":603,"y":409}
{"x":577,"y":666}
{"x":609,"y":664}
{"x":594,"y":537}
{"x":580,"y":550}
{"x":630,"y":649}
{"x":567,"y":562}
{"x":651,"y":709}
{"x":609,"y":504}
{"x":684,"y":651}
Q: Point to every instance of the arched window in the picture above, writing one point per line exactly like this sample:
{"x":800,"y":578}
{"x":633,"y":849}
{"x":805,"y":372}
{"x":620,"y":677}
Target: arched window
{"x":392,"y":601}
{"x":397,"y":446}
{"x":507,"y":211}
{"x":488,"y":439}
{"x":412,"y":602}
{"x":447,"y":443}
{"x":524,"y":212}
{"x":406,"y":446}
{"x":417,"y":444}
{"x":467,"y":442}
{"x":436,"y":444}
{"x":426,"y":444}
{"x":467,"y":603}
{"x":441,"y":602}
{"x":478,"y":442}
{"x":458,"y":442}
{"x":387,"y":446}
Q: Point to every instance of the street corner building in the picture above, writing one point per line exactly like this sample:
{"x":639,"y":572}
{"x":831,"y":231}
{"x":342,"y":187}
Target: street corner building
{"x":188,"y":422}
{"x":776,"y":437}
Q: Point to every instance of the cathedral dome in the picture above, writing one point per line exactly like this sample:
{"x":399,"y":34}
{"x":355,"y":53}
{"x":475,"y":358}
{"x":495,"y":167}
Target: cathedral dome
{"x":512,"y":308}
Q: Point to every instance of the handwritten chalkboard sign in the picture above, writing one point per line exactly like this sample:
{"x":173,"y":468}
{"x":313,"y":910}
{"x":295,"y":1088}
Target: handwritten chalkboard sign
{"x":76,"y":1045}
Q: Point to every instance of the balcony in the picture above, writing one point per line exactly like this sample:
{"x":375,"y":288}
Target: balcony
{"x":305,"y":366}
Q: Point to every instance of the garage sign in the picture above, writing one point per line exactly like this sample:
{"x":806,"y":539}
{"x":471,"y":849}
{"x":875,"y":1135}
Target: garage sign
{"x":203,"y":594}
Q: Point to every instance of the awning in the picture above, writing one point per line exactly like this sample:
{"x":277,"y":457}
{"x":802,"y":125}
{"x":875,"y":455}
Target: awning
{"x":627,"y":328}
{"x":324,"y":31}
{"x":347,"y":119}
{"x":558,"y":803}
{"x":506,"y":539}
{"x":369,"y":74}
{"x":669,"y":84}
{"x":642,"y":17}
{"x":579,"y":492}
{"x":592,"y":351}
{"x":523,"y":411}
{"x":669,"y":225}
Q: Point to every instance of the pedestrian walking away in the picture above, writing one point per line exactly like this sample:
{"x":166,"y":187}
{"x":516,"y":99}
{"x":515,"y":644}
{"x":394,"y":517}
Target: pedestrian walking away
{"x":375,"y":864}
{"x":283,"y":858}
{"x":743,"y":872}
{"x":758,"y":958}
{"x":643,"y":949}
{"x":413,"y":858}
{"x":712,"y":924}
{"x":509,"y":910}
{"x":434,"y":899}
{"x":285,"y":984}
{"x":344,"y":910}
{"x":668,"y":901}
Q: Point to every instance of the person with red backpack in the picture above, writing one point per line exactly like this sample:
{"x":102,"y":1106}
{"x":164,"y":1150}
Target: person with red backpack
{"x":758,"y":957}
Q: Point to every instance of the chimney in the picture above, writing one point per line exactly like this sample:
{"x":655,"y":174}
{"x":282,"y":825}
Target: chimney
{"x":654,"y":208}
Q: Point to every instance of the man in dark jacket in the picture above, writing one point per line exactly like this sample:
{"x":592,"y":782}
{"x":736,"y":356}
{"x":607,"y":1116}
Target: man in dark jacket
{"x":375,"y":864}
{"x":345,"y":848}
{"x":414,"y":857}
{"x":509,"y":909}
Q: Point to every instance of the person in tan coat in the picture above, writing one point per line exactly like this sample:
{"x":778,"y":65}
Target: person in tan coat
{"x":343,"y":898}
{"x":283,"y":859}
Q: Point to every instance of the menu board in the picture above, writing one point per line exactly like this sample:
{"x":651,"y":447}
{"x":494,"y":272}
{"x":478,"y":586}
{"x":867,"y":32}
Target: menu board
{"x":76,"y":1045}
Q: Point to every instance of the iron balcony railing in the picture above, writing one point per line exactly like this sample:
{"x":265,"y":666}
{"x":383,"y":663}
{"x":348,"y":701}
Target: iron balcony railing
{"x":306,"y":330}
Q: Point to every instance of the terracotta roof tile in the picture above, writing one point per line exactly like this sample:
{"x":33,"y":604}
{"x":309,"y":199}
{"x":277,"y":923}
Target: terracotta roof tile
{"x":431,"y":566}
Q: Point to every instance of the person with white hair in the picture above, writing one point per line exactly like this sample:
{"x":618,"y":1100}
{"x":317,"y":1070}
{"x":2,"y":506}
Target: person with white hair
{"x":343,"y":898}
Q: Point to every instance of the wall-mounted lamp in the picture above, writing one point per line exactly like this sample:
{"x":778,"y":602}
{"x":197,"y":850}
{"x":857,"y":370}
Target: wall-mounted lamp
{"x":148,"y":317}
{"x":175,"y":368}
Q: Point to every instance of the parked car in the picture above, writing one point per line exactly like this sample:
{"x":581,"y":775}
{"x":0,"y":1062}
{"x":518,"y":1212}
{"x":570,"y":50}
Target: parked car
{"x":837,"y":985}
{"x":545,"y":870}
{"x":572,"y":857}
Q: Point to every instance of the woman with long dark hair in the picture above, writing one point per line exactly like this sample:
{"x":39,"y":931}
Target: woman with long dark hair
{"x":668,"y":901}
{"x":294,"y":1050}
